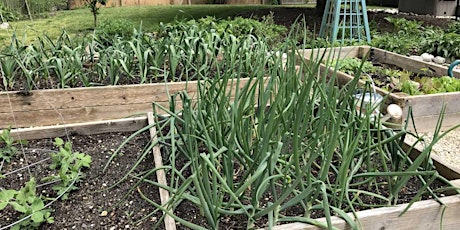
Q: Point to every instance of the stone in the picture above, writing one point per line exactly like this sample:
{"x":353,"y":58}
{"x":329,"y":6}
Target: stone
{"x":427,"y":57}
{"x":5,"y":26}
{"x":418,"y":58}
{"x":439,"y":60}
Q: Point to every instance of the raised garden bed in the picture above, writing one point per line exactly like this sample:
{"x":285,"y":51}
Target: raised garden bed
{"x":426,"y":214}
{"x":68,"y":106}
{"x":93,"y":205}
{"x":425,"y":108}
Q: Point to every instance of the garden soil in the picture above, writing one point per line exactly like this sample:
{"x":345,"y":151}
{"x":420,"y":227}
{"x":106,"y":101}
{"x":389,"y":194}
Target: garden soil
{"x":93,"y":205}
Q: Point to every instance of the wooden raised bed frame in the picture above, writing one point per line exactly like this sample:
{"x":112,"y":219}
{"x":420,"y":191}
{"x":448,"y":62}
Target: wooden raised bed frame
{"x":77,"y":105}
{"x":426,"y":108}
{"x":422,"y":215}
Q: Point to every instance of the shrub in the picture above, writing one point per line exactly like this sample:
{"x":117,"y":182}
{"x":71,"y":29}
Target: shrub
{"x":9,"y":15}
{"x":443,"y":44}
{"x":109,"y":29}
{"x":266,"y":28}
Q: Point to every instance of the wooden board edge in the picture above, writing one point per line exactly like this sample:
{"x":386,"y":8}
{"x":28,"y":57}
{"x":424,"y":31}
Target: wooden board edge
{"x":169,"y":222}
{"x":441,"y":165}
{"x":428,"y":212}
{"x":86,"y":128}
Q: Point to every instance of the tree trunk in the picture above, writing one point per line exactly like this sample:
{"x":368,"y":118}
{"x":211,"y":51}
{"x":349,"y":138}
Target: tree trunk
{"x":320,"y":6}
{"x":28,"y":9}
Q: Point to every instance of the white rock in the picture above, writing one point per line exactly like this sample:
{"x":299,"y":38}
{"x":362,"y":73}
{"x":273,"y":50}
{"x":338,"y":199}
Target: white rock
{"x":418,"y":58}
{"x":5,"y":26}
{"x":427,"y":57}
{"x":439,"y":60}
{"x":395,"y":111}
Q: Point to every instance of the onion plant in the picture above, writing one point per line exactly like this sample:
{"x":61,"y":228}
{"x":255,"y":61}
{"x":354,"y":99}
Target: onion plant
{"x":287,"y":140}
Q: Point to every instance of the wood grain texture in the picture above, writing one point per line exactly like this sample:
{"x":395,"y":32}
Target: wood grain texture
{"x":423,"y":215}
{"x":428,"y":123}
{"x":67,"y":106}
{"x":407,"y":63}
{"x":87,"y":128}
{"x":332,"y":53}
{"x":426,"y":105}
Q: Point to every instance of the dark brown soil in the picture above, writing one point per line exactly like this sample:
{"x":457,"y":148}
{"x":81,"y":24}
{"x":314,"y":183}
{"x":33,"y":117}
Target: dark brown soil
{"x":84,"y":207}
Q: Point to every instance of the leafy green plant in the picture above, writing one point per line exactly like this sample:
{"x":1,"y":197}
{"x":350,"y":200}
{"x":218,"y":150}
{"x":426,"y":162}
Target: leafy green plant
{"x":351,"y":65}
{"x":108,"y":29}
{"x":398,"y":43}
{"x":408,"y":86}
{"x":442,"y":44}
{"x":8,"y":15}
{"x":69,"y":165}
{"x":25,"y":201}
{"x":8,"y":150}
{"x":406,"y":26}
{"x":454,"y":27}
{"x":238,"y":26}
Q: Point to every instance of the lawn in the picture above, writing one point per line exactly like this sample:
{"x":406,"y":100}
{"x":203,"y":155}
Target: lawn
{"x":80,"y":21}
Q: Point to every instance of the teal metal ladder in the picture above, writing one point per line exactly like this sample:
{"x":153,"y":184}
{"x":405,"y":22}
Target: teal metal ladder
{"x":345,"y":20}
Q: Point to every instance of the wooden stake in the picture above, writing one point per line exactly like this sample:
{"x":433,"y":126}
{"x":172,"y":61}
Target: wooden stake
{"x":161,"y":177}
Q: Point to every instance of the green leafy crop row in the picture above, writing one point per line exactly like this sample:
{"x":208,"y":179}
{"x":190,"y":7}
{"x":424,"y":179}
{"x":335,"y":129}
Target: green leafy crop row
{"x":412,"y":38}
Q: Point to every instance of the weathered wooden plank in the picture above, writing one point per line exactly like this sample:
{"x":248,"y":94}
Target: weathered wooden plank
{"x":92,"y":96}
{"x":332,"y":53}
{"x":444,"y":169}
{"x":421,"y":216}
{"x":416,"y":66}
{"x":95,"y":96}
{"x":428,"y":123}
{"x":426,"y":105}
{"x":51,"y":107}
{"x":87,"y":128}
{"x":407,"y":63}
{"x":23,"y":119}
{"x":161,"y":176}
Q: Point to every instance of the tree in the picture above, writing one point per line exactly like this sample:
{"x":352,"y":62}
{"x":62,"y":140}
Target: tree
{"x":320,"y":7}
{"x":93,"y":6}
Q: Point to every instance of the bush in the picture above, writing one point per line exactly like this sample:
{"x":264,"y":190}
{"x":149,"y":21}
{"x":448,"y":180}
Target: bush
{"x":266,"y":28}
{"x":443,"y":44}
{"x":108,"y":29}
{"x":9,"y":15}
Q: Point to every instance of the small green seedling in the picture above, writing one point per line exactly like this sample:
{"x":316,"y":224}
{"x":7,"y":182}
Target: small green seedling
{"x":8,"y":150}
{"x":68,"y":164}
{"x":27,"y":202}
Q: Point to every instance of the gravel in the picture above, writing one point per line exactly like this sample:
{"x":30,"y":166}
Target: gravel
{"x":447,"y":148}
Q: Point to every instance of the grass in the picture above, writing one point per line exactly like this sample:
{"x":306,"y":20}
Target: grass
{"x":79,"y":21}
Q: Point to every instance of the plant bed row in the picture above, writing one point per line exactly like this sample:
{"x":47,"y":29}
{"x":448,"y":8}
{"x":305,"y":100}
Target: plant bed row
{"x":425,"y":108}
{"x":102,"y":146}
